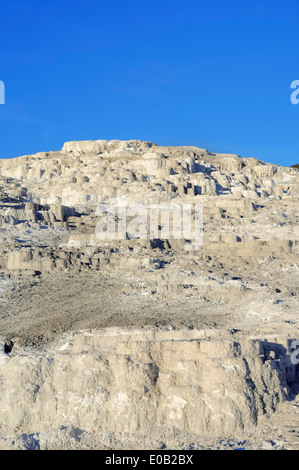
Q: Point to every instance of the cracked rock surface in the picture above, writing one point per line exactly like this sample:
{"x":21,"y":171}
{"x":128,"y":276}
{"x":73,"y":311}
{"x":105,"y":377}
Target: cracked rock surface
{"x":139,"y":341}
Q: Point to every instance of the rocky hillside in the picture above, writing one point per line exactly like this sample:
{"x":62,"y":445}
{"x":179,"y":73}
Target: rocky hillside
{"x":203,"y":330}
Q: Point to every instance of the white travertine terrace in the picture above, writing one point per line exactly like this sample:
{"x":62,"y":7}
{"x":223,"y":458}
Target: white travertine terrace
{"x":141,"y":337}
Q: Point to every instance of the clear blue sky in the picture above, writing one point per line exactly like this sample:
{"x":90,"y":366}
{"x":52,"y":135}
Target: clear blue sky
{"x":212,"y":74}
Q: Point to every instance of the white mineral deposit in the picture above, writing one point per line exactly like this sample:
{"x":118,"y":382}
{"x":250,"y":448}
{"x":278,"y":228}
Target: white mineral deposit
{"x":115,"y":334}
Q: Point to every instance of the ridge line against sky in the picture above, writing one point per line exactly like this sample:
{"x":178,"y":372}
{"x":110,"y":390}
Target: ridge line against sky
{"x":215,"y":76}
{"x":211,"y":151}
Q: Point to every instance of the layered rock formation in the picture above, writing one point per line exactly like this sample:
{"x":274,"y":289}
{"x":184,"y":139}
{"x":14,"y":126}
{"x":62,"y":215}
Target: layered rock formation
{"x":175,"y":337}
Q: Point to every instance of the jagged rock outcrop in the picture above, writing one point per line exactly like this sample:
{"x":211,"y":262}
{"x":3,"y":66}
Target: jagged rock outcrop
{"x":58,"y":193}
{"x":139,"y":380}
{"x":144,"y":332}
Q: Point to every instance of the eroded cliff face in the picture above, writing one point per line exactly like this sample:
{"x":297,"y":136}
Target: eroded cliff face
{"x":49,"y":203}
{"x":139,"y":341}
{"x":143,"y":381}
